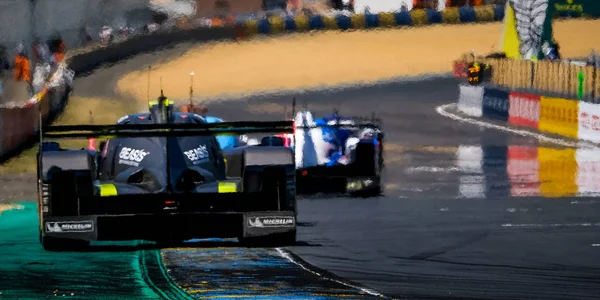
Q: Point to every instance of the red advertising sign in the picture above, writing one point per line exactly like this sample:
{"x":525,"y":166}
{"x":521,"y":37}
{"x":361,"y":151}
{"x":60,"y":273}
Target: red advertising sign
{"x":522,"y":168}
{"x":524,"y":109}
{"x":459,"y":69}
{"x":589,"y":122}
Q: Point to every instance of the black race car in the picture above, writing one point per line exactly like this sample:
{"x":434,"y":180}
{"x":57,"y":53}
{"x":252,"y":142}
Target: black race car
{"x":161,"y":176}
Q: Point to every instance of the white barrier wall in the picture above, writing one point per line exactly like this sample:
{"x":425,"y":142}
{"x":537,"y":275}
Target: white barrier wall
{"x":470,"y":100}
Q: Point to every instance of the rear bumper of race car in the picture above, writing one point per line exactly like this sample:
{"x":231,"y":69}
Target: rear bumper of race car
{"x":173,"y":226}
{"x":158,"y":217}
{"x":335,"y":179}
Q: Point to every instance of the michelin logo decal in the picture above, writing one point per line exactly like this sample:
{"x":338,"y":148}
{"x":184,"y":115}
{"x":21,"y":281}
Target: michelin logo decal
{"x":61,"y":227}
{"x":266,"y":222}
{"x":132,"y":157}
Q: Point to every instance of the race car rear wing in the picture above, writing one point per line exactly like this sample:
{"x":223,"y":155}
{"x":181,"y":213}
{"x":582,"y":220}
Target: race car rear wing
{"x":164,"y":130}
{"x":357,"y":122}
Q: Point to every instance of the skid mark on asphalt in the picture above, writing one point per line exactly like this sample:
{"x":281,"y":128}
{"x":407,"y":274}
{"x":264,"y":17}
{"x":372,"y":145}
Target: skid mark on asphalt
{"x":212,"y":273}
{"x":551,"y":225}
{"x":429,"y":254}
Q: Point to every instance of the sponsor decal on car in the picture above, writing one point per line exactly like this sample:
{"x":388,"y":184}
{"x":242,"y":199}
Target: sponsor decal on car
{"x":132,"y":157}
{"x":122,"y":119}
{"x":270,"y":222}
{"x":197,"y":155}
{"x":62,"y":227}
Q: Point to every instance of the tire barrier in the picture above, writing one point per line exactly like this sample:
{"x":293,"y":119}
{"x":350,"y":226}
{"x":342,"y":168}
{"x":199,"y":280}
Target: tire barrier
{"x":19,"y":124}
{"x":415,"y":17}
{"x":566,"y":117}
{"x":558,"y":79}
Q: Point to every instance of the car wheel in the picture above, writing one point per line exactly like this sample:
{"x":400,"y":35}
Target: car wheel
{"x":60,"y":244}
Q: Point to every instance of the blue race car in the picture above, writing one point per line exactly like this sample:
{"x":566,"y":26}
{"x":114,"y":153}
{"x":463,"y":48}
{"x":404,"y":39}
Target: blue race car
{"x":333,"y":153}
{"x":337,"y":153}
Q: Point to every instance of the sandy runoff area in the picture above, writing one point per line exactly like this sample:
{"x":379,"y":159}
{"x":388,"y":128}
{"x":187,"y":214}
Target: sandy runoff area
{"x":329,"y":58}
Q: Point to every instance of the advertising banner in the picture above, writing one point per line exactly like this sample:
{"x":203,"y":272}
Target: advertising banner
{"x":559,"y":116}
{"x":576,"y":8}
{"x":495,"y":104}
{"x":527,"y":27}
{"x":589,"y":122}
{"x":558,"y":170}
{"x":524,"y":109}
{"x":459,"y":69}
{"x":470,"y":100}
{"x":522,"y":168}
{"x":588,"y":171}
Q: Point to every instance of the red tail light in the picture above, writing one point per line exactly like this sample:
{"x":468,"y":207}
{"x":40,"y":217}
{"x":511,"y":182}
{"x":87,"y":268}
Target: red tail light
{"x":92,"y":144}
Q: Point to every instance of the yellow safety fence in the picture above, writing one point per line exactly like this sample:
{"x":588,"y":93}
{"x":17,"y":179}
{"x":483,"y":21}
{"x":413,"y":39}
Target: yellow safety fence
{"x":559,"y":116}
{"x":544,"y":77}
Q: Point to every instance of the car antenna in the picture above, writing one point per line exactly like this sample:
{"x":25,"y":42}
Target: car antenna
{"x":191,"y":87}
{"x":40,"y":123}
{"x":293,"y":107}
{"x":148,"y":91}
{"x":91,"y":141}
{"x":161,"y":101}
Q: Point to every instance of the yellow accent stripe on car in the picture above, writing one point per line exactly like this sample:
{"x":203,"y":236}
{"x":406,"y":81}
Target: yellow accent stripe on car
{"x":167,"y":103}
{"x":107,"y":190}
{"x":227,"y":187}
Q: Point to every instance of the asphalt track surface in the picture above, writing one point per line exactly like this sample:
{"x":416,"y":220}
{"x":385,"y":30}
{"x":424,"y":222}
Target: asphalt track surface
{"x":443,"y":229}
{"x":450,"y":224}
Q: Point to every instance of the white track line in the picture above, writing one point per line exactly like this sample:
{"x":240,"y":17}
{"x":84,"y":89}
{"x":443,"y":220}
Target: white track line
{"x":552,"y":225}
{"x":288,"y":257}
{"x":442,"y":110}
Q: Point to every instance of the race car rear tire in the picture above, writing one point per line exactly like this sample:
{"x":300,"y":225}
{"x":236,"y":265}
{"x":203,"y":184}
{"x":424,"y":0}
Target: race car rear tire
{"x":60,"y":244}
{"x":272,"y":240}
{"x":373,"y":191}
